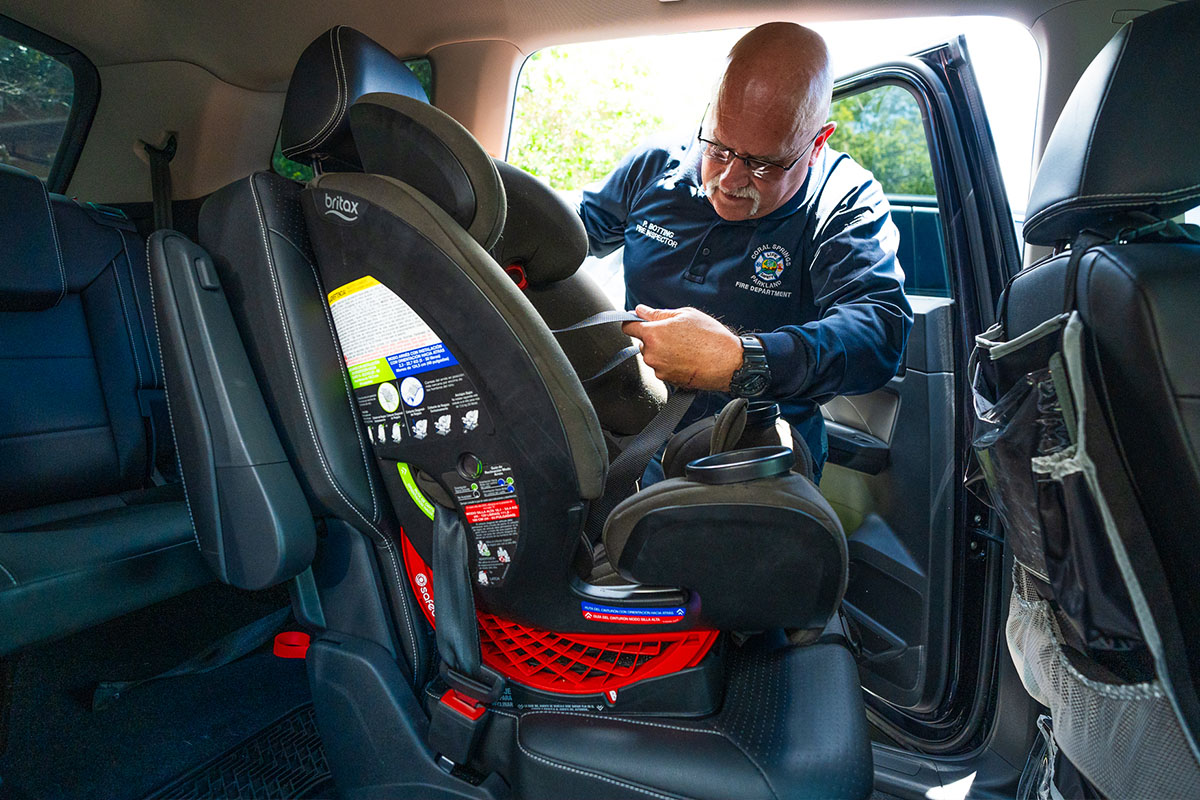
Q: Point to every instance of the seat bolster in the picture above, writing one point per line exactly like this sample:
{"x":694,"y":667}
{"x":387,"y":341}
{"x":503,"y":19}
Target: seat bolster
{"x":255,"y":231}
{"x":791,"y":727}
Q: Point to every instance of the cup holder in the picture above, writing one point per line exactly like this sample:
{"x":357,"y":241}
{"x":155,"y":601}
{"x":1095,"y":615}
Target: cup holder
{"x":736,"y":466}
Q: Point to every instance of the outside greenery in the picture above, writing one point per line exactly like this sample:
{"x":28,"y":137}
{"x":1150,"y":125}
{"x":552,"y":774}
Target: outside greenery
{"x":882,"y":129}
{"x":570,"y":128}
{"x":572,"y":124}
{"x":35,"y":99}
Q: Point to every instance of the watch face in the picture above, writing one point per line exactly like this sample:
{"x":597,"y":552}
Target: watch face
{"x":752,"y":386}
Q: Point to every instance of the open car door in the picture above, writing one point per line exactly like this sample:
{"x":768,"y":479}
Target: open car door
{"x":924,"y":599}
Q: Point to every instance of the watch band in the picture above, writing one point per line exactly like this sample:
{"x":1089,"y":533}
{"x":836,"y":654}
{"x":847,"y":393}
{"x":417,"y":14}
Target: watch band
{"x":754,"y":376}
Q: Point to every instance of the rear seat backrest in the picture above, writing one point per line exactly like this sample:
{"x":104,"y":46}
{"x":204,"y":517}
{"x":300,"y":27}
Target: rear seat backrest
{"x":84,"y":535}
{"x":70,"y":424}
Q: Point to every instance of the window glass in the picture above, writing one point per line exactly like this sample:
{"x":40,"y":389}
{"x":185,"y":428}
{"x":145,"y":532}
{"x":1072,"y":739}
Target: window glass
{"x":882,"y":129}
{"x":36,"y":92}
{"x":297,"y":171}
{"x":580,"y":108}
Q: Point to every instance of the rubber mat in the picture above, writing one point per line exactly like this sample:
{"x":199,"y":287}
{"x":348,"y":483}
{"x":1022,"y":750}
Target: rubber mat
{"x":283,"y":761}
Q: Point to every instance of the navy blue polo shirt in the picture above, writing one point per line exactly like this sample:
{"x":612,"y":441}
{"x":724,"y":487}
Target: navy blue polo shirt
{"x":817,"y":278}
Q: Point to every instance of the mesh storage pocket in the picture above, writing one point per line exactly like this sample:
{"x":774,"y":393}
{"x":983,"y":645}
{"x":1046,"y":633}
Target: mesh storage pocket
{"x":1124,"y":737}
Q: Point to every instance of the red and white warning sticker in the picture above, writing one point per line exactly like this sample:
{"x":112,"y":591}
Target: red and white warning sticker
{"x":487,"y":512}
{"x":632,"y":616}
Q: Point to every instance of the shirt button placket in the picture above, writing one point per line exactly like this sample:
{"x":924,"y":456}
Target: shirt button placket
{"x":698,"y":269}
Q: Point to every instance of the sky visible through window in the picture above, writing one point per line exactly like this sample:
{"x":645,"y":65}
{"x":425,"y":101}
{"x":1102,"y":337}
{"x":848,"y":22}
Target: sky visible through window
{"x":672,"y":76}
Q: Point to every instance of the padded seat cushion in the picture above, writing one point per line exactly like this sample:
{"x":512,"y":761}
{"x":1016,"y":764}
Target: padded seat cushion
{"x":71,"y":565}
{"x":792,"y":726}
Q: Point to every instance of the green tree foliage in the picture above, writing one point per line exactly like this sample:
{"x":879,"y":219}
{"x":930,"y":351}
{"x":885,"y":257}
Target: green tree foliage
{"x":577,"y":115}
{"x":882,"y":129}
{"x":572,"y":124}
{"x":36,"y":91}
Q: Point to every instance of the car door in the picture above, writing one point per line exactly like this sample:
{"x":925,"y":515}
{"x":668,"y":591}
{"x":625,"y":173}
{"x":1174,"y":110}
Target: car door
{"x":925,"y":568}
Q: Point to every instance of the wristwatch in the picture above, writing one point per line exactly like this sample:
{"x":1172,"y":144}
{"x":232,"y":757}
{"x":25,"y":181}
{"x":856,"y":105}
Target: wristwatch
{"x":753,"y":377}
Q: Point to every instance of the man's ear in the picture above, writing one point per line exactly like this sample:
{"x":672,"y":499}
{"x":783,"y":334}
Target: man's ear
{"x":819,"y":142}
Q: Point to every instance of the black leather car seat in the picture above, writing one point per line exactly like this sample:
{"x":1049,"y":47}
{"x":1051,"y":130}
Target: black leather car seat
{"x":1089,"y":419}
{"x":87,"y":532}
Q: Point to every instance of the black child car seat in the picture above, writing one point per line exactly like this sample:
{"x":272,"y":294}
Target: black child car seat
{"x":397,"y":347}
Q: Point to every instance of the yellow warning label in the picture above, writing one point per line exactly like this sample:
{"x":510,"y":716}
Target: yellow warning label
{"x":352,"y":287}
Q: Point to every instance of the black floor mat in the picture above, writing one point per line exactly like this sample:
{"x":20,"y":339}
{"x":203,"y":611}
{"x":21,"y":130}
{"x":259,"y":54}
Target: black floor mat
{"x":59,"y":749}
{"x":281,"y":762}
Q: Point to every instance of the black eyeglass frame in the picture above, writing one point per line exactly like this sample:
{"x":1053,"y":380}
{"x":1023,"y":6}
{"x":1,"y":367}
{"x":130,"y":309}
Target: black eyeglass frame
{"x":755,"y":165}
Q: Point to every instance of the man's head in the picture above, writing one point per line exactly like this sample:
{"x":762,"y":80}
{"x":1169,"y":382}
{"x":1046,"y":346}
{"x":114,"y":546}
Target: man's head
{"x":770,"y":106}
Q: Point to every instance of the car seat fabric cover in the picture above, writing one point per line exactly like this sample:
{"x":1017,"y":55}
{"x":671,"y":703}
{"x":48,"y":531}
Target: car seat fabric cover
{"x":415,"y":250}
{"x":449,"y":150}
{"x":255,"y":231}
{"x":798,"y":728}
{"x":524,"y":223}
{"x":785,"y":565}
{"x":544,"y":237}
{"x":1106,"y":160}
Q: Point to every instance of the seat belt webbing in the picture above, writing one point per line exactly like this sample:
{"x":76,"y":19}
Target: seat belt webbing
{"x":628,"y":467}
{"x":160,"y":180}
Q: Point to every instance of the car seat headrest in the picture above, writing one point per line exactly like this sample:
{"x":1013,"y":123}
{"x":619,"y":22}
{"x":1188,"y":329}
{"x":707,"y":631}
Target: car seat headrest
{"x":1125,"y":141}
{"x":335,"y":70}
{"x":32,"y":274}
{"x":543,"y":237}
{"x":417,"y":144}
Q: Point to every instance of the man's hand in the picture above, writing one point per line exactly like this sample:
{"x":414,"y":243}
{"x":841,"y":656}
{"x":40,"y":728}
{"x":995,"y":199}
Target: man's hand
{"x":686,"y":347}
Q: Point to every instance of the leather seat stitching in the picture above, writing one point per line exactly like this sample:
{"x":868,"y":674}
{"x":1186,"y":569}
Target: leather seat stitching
{"x":137,"y":362}
{"x":88,"y":568}
{"x":57,"y":247}
{"x":579,"y":771}
{"x":362,"y":446}
{"x":343,"y":88}
{"x":138,"y":302}
{"x":262,"y":224}
{"x":337,"y":104}
{"x":187,"y":502}
{"x":627,"y":721}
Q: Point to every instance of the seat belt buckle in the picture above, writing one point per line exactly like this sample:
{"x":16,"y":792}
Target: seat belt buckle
{"x":457,"y":723}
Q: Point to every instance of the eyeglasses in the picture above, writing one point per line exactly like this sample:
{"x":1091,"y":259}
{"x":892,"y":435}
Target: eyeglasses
{"x":758,"y":167}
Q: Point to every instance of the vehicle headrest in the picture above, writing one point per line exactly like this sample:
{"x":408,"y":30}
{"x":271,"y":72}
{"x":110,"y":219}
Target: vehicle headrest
{"x":335,"y":70}
{"x":419,"y":145}
{"x":1126,"y":139}
{"x":32,"y":274}
{"x":543,"y":234}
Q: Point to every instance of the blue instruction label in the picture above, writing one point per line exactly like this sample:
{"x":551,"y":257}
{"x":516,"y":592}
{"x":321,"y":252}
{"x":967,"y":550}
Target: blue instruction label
{"x":632,"y":616}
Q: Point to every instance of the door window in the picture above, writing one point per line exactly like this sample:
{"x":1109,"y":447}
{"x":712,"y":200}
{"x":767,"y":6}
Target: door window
{"x":36,"y":94}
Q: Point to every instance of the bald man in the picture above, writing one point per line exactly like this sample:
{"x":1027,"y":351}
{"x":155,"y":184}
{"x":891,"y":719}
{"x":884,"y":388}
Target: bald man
{"x":763,"y":262}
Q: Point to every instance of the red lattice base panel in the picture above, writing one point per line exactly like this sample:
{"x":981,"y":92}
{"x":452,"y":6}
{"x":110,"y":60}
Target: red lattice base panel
{"x":567,"y":663}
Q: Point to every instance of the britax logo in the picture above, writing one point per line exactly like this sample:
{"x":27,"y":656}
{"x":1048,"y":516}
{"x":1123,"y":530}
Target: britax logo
{"x":340,"y":207}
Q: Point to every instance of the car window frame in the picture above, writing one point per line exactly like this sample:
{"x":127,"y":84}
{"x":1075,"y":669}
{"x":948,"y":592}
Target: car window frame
{"x":84,"y":102}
